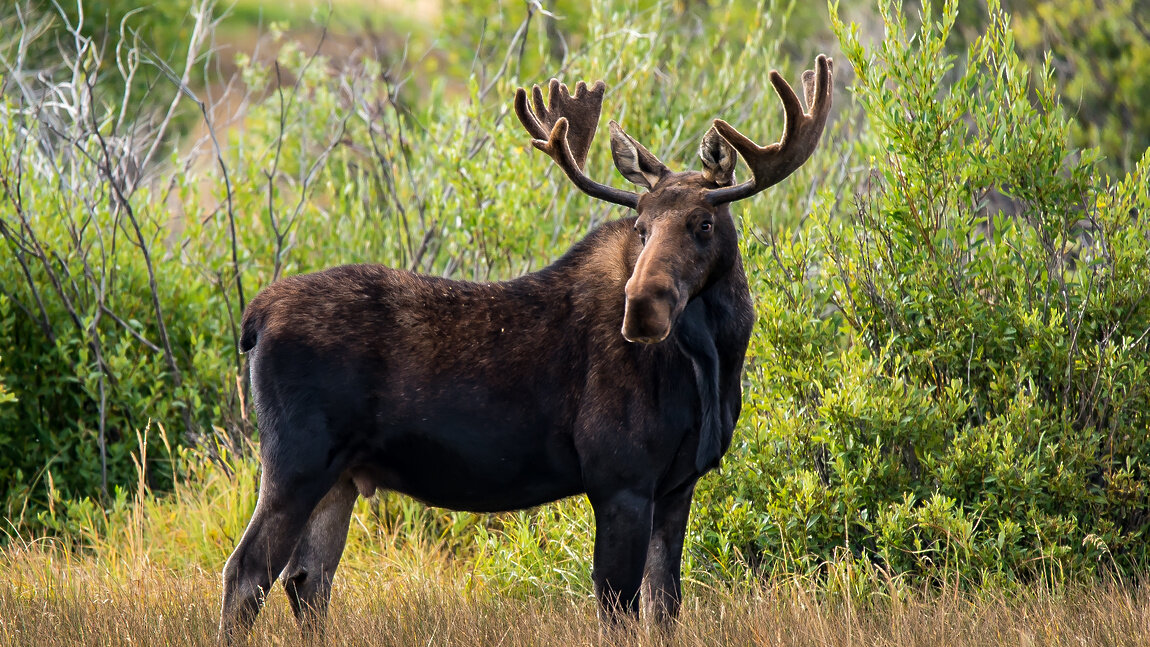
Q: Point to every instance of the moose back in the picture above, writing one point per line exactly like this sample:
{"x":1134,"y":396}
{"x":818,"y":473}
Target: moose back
{"x":614,"y":372}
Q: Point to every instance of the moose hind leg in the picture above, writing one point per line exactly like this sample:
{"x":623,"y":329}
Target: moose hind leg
{"x":281,"y":513}
{"x":662,"y":587}
{"x":307,"y":578}
{"x":622,"y":533}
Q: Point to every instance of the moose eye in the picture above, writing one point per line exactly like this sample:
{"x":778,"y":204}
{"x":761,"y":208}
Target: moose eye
{"x":705,"y":227}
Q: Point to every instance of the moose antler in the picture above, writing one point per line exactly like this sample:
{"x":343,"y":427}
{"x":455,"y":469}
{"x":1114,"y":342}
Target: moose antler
{"x":564,"y":127}
{"x":770,"y":164}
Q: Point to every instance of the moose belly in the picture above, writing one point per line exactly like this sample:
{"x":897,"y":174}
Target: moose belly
{"x":475,"y":465}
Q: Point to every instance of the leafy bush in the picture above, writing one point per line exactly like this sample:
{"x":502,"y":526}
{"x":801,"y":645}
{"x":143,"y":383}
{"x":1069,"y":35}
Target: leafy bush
{"x":941,"y":389}
{"x":101,"y":318}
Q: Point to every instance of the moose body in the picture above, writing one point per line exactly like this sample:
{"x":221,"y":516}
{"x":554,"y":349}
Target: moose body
{"x":614,"y":372}
{"x":486,"y":396}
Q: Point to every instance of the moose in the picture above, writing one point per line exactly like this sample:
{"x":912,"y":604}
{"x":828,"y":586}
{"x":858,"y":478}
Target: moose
{"x":614,"y":372}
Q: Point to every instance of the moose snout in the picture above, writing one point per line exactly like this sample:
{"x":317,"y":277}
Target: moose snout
{"x":648,"y":312}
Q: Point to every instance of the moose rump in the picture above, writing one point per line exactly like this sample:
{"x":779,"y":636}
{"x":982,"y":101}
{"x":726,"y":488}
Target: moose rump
{"x":613,"y":372}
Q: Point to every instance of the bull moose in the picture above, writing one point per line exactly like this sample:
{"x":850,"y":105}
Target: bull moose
{"x":613,"y":372}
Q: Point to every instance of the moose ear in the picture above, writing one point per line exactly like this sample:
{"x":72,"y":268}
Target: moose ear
{"x":635,"y":162}
{"x":719,"y":158}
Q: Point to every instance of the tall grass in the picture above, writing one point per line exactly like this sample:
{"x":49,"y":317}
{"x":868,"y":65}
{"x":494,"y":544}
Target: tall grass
{"x":53,"y":598}
{"x":147,"y":574}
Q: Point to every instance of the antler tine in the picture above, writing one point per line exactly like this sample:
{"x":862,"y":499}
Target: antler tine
{"x":801,"y":132}
{"x":564,"y":128}
{"x":526,"y":116}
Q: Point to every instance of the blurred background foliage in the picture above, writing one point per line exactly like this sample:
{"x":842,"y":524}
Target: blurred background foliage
{"x":947,"y":382}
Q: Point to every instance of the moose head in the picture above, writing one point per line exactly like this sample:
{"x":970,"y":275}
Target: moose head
{"x":684,"y":224}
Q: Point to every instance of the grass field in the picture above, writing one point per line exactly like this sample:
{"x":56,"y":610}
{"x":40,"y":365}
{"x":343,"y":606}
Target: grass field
{"x":53,"y":598}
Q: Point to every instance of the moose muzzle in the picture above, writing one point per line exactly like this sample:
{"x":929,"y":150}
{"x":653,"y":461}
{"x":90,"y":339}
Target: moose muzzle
{"x":650,"y":309}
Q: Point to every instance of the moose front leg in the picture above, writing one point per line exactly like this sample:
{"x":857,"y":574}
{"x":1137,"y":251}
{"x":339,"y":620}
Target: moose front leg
{"x":622,"y":533}
{"x":662,"y":588}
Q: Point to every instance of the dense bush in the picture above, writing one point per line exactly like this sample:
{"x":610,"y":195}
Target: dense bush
{"x":101,"y":328}
{"x":948,"y":375}
{"x":940,"y":387}
{"x":101,"y":317}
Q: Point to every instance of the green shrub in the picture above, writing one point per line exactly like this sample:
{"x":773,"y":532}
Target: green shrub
{"x":1097,"y":53}
{"x":89,"y":358}
{"x":101,"y":320}
{"x":940,"y":390}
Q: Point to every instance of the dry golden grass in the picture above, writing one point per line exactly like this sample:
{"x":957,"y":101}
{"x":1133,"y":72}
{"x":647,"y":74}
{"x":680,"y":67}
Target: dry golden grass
{"x":50,"y":597}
